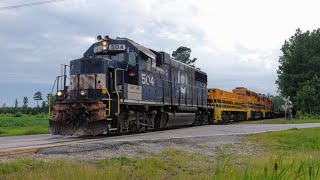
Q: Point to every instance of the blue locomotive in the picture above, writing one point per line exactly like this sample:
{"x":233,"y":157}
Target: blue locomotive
{"x":121,"y":86}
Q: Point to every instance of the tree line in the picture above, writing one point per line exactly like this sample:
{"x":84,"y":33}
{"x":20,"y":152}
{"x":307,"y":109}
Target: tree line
{"x":299,"y":71}
{"x":26,"y":109}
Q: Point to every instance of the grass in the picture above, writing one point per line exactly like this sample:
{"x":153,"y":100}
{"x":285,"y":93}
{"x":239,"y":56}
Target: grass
{"x":283,"y":121}
{"x":291,"y":154}
{"x":295,"y":140}
{"x":24,"y":125}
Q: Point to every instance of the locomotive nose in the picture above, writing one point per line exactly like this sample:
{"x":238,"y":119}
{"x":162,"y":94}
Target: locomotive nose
{"x":89,"y":78}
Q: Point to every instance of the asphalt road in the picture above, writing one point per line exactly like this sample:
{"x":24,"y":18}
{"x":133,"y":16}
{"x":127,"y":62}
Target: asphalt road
{"x":20,"y":143}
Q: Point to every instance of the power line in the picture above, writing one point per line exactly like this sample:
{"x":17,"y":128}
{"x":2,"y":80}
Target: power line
{"x":29,"y":4}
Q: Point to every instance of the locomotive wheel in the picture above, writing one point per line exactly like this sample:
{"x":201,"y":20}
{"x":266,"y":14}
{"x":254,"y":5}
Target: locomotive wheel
{"x":133,"y":129}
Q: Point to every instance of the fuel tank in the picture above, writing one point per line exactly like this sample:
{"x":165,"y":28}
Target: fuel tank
{"x":179,"y":119}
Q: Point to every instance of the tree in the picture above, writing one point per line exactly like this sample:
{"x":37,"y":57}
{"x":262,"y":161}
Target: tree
{"x":16,"y":103}
{"x":53,"y":101}
{"x":308,"y":97}
{"x":300,"y":61}
{"x":182,"y":54}
{"x":4,"y":105}
{"x":25,"y":102}
{"x":270,"y":96}
{"x":37,"y":97}
{"x":43,"y":106}
{"x":277,"y":101}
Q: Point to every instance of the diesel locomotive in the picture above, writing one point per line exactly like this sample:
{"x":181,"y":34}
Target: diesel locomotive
{"x":120,"y":86}
{"x":239,"y":105}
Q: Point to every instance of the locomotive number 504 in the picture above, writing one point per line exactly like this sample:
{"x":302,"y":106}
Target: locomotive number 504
{"x":146,"y":79}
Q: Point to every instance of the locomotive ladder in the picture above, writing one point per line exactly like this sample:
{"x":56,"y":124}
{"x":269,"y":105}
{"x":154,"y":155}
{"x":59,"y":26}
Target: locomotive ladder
{"x":109,"y":102}
{"x":116,"y":88}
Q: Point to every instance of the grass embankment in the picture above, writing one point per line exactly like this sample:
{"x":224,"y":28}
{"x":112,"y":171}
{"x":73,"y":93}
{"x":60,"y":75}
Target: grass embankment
{"x":24,"y":125}
{"x":284,"y":121}
{"x":292,"y":154}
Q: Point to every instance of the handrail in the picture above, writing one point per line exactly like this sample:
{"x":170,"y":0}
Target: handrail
{"x":49,"y":99}
{"x":109,"y":104}
{"x":116,"y":87}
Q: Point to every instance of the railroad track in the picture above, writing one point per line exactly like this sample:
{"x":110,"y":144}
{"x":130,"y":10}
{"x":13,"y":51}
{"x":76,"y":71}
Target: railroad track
{"x":31,"y":145}
{"x":34,"y":143}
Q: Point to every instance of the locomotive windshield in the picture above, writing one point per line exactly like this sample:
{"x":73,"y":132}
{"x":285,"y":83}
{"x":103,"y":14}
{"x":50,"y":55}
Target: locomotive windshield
{"x":124,"y":57}
{"x":117,"y":56}
{"x":87,"y":66}
{"x":130,"y":58}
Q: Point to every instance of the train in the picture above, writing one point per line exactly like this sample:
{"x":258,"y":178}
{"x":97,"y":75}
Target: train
{"x":239,"y":105}
{"x":120,"y":86}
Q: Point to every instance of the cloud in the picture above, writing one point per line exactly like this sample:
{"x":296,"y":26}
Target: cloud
{"x":236,"y":42}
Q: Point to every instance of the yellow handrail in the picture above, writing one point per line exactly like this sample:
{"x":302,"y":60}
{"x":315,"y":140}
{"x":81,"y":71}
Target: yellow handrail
{"x":109,"y":104}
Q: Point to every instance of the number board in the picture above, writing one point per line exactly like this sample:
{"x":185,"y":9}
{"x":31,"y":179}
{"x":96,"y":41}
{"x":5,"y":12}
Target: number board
{"x":97,"y":49}
{"x":117,"y":47}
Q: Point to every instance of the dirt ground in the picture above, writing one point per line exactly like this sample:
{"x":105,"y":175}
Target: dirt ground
{"x":211,"y":146}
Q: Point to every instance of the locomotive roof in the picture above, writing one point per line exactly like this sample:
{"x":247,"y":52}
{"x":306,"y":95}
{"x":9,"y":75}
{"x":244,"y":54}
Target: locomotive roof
{"x":197,"y":69}
{"x":149,"y":52}
{"x":141,"y":48}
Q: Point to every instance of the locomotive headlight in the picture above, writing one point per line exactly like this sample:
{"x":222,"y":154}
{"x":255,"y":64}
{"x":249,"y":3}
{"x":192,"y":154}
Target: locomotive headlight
{"x":83,"y":92}
{"x":59,"y":93}
{"x":104,"y":45}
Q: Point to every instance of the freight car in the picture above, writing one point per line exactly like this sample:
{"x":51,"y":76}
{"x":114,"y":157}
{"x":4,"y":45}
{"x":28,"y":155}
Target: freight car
{"x":239,"y":105}
{"x":120,"y":86}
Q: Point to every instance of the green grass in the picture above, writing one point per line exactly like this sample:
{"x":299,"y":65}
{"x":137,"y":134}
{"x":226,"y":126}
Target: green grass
{"x":283,"y":121}
{"x":291,"y":140}
{"x":24,"y":125}
{"x":291,"y":154}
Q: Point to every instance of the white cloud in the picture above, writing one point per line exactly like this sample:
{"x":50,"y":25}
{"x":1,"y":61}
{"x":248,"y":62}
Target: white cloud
{"x":236,"y":42}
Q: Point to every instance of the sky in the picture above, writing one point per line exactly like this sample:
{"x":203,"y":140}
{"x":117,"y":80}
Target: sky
{"x":236,"y":42}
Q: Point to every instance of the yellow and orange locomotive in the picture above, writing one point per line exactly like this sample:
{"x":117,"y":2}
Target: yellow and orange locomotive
{"x":239,"y":105}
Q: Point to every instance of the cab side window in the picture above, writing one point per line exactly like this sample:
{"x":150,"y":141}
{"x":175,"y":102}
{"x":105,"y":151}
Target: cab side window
{"x":148,"y":64}
{"x":132,"y":59}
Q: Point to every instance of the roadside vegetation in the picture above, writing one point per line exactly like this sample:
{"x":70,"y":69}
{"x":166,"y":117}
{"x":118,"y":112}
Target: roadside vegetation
{"x":299,"y":52}
{"x":285,"y":121}
{"x":21,"y":119}
{"x":22,"y":124}
{"x":24,"y":107}
{"x":291,"y":154}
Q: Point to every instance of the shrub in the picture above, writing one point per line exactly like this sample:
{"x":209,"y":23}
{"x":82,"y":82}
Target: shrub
{"x":18,"y":114}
